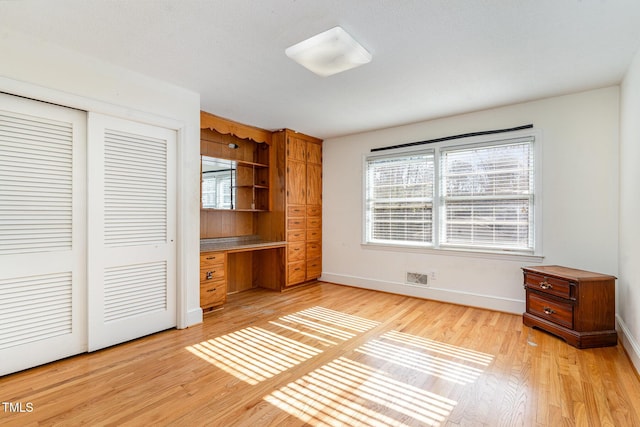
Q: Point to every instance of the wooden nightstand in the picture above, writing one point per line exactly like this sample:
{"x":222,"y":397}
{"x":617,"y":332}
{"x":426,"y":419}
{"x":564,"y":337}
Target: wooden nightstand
{"x":576,"y":305}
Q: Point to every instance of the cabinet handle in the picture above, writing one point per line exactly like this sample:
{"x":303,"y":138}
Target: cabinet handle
{"x":211,"y":257}
{"x":545,"y":285}
{"x":548,"y":310}
{"x":209,"y":275}
{"x":211,"y":290}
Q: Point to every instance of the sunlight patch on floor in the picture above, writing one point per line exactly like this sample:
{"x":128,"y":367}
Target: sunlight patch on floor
{"x":253,"y":354}
{"x":345,"y":392}
{"x":444,"y":349}
{"x":329,"y":324}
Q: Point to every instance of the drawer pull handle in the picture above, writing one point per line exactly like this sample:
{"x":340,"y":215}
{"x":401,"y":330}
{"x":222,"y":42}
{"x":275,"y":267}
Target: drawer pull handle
{"x":545,"y":285}
{"x":548,"y":310}
{"x":211,"y":290}
{"x":209,"y":275}
{"x":211,"y":257}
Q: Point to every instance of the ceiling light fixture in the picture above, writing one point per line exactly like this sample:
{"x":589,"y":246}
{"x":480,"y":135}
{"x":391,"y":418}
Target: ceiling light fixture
{"x":330,"y":52}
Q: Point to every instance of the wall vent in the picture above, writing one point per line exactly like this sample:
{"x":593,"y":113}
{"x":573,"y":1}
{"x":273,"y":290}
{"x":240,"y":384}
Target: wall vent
{"x":417,"y":279}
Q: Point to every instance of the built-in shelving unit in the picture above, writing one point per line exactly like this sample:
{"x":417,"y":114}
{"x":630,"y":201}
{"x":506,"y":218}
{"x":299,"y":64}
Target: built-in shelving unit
{"x":252,"y":186}
{"x":270,"y":186}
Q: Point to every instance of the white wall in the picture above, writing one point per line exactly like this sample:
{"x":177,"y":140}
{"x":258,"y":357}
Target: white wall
{"x":629,"y":269}
{"x":34,"y":68}
{"x":579,"y":197}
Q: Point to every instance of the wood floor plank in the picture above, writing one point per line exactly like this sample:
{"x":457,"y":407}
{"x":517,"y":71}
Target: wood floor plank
{"x":327,"y":355}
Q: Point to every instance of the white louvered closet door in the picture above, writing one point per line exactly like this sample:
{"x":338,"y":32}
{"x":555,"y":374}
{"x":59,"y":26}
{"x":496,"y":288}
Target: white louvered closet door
{"x":132,"y":222}
{"x":42,"y":233}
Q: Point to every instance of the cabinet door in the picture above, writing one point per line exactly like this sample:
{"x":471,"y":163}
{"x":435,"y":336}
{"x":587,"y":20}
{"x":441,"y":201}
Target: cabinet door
{"x":314,"y":153}
{"x":296,"y":149}
{"x":314,"y":184}
{"x":296,"y":185}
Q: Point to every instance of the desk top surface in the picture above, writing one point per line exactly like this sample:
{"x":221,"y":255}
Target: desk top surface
{"x":237,"y":244}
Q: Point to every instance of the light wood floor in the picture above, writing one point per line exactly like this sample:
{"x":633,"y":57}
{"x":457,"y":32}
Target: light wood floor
{"x":328,"y":355}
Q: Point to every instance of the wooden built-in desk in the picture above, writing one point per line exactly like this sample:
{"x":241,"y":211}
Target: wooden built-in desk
{"x":236,"y":264}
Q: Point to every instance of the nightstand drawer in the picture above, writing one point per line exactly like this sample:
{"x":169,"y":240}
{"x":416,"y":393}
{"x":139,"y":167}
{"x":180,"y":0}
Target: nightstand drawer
{"x":548,"y":285}
{"x":546,"y":308}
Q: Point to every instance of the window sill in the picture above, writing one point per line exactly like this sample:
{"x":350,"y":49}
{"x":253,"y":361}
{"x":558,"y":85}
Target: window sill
{"x":528,"y":258}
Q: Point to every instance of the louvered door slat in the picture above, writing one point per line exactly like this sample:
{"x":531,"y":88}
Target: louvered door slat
{"x":135,"y":184}
{"x":35,"y":182}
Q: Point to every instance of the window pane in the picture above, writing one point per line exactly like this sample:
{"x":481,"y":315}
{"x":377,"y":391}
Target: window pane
{"x":491,"y":223}
{"x":487,"y":196}
{"x":402,"y":221}
{"x":400,"y":196}
{"x":501,"y":170}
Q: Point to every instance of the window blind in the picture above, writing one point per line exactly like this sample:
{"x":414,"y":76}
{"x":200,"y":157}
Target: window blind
{"x":400,"y":198}
{"x":487,"y":196}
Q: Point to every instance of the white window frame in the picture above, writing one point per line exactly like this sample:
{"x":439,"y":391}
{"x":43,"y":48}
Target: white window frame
{"x":437,"y":148}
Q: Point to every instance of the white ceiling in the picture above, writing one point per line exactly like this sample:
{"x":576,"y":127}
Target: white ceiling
{"x":431,"y":58}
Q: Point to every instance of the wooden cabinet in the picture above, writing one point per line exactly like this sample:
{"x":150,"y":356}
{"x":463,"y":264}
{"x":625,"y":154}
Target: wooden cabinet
{"x":302,"y":205}
{"x":576,"y":305}
{"x":213,"y":280}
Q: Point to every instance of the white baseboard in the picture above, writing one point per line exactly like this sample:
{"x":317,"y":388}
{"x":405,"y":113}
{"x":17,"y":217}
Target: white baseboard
{"x":629,"y":343}
{"x":489,"y":302}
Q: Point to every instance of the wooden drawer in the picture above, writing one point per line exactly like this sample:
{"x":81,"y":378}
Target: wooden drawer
{"x":296,"y":251}
{"x":314,"y":250}
{"x":296,"y":236}
{"x":548,"y":285}
{"x":546,"y":308}
{"x":213,"y":294}
{"x":296,"y":211}
{"x":296,"y":272}
{"x":314,"y":268}
{"x":314,"y":222}
{"x":212,"y":273}
{"x":314,"y":234}
{"x":296,"y":224}
{"x":211,"y":258}
{"x":314,"y":211}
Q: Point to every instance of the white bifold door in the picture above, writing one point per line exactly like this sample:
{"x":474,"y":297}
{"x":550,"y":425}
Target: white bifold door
{"x":132,"y":227}
{"x":42,"y":233}
{"x":87,"y":231}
